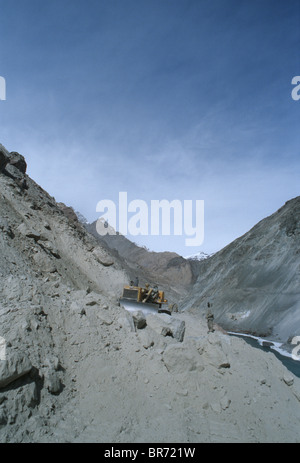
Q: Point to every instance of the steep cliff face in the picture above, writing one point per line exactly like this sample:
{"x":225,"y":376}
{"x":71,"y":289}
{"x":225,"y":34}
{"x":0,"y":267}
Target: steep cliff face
{"x":254,"y":283}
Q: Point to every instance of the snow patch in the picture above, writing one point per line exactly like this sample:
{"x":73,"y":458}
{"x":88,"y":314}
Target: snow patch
{"x":199,"y":256}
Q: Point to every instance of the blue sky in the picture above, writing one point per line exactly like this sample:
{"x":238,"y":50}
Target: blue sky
{"x":163,"y":99}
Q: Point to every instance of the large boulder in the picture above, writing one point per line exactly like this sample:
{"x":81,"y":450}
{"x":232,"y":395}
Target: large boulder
{"x":139,"y":319}
{"x":53,"y":382}
{"x":13,"y":368}
{"x":182,"y":358}
{"x":17,"y":160}
{"x":167,"y":325}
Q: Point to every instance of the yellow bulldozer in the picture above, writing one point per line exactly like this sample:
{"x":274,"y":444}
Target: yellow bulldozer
{"x":147,"y":299}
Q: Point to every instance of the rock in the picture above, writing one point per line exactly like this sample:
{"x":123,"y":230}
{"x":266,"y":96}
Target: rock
{"x":68,"y":212}
{"x":106,"y":263}
{"x":13,"y":368}
{"x":212,"y":352}
{"x":146,"y":338}
{"x":102,"y":258}
{"x":52,"y":382}
{"x":52,"y":363}
{"x":46,"y":246}
{"x":166,"y":331}
{"x":180,"y":358}
{"x":46,"y":225}
{"x":288,"y":379}
{"x":139,"y":319}
{"x":44,"y":262}
{"x":267,"y":344}
{"x":166,"y":325}
{"x":92,"y":299}
{"x":3,"y":160}
{"x":17,"y":160}
{"x":224,"y":364}
{"x":3,"y":416}
{"x":105,"y":318}
{"x":225,"y":402}
{"x":183,"y":392}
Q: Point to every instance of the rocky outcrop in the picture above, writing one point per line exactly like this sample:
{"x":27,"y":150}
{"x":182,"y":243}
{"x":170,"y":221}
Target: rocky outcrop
{"x":18,"y":161}
{"x":12,"y":159}
{"x":69,"y":212}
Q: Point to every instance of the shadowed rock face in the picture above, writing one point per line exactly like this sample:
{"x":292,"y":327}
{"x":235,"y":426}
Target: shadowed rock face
{"x":4,"y":158}
{"x":17,"y":160}
{"x":12,"y":159}
{"x":254,"y":283}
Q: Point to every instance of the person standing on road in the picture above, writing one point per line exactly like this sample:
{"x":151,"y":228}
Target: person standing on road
{"x":210,"y":319}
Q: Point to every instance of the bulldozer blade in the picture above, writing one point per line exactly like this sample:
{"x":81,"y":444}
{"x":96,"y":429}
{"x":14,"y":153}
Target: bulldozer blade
{"x":133,"y":306}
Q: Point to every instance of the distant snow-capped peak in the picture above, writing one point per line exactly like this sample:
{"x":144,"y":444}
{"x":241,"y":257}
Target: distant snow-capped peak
{"x":199,"y":256}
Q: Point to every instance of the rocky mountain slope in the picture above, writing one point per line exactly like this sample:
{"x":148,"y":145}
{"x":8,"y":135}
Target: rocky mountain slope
{"x":76,"y":367}
{"x":254,"y":283}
